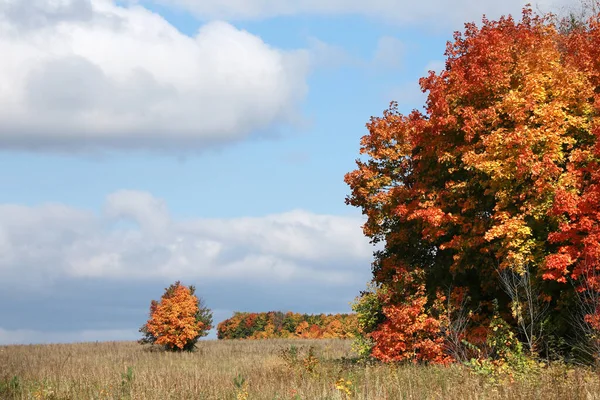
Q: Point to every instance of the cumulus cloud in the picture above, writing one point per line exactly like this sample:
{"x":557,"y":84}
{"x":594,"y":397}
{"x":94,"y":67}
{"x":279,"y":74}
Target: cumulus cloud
{"x":431,"y":13}
{"x":90,"y":73}
{"x":73,"y":275}
{"x":136,"y":238}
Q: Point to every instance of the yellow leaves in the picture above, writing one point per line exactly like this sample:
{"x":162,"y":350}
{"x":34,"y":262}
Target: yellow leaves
{"x":241,"y":387}
{"x":517,"y":311}
{"x":504,"y":159}
{"x":446,"y":157}
{"x":513,"y":104}
{"x":344,"y":386}
{"x":516,"y":238}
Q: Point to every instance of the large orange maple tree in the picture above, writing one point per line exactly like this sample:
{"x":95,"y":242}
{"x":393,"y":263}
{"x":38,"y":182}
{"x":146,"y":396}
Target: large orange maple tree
{"x":499,"y":174}
{"x":178,"y":320}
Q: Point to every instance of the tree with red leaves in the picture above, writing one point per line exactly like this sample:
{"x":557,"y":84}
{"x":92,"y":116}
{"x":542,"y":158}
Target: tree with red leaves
{"x":500,"y":174}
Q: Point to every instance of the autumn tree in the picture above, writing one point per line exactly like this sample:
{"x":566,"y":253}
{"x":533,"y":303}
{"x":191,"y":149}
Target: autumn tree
{"x":499,"y":172}
{"x":276,"y":324}
{"x":178,"y":320}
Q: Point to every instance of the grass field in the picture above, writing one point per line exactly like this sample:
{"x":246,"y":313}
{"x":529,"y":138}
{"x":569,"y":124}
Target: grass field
{"x":267,"y":369}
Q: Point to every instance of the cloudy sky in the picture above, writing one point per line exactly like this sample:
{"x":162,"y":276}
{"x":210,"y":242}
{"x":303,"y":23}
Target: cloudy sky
{"x":144,"y":142}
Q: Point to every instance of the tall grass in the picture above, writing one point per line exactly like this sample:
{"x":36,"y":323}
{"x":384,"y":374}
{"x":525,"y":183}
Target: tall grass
{"x":264,"y":369}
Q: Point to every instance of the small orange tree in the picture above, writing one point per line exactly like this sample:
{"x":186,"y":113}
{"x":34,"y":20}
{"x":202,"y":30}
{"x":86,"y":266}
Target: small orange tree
{"x":178,"y":320}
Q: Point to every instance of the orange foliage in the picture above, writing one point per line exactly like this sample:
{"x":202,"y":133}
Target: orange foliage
{"x":178,"y":320}
{"x":275,"y":324}
{"x":409,"y":333}
{"x":501,"y":171}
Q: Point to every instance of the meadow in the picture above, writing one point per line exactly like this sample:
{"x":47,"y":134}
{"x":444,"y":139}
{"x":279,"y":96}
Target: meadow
{"x":259,"y":369}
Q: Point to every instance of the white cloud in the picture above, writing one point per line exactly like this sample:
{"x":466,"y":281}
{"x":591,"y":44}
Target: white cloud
{"x":135,"y":238}
{"x":57,"y":261}
{"x":149,"y":212}
{"x":433,"y":13}
{"x":89,"y":73}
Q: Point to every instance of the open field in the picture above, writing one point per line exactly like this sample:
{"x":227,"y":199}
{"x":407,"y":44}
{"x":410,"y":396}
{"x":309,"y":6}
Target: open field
{"x":267,"y":369}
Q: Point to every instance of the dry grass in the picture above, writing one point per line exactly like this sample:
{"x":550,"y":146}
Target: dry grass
{"x":269,"y":371}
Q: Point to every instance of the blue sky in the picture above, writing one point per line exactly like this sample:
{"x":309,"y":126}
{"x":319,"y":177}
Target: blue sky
{"x":206,"y":141}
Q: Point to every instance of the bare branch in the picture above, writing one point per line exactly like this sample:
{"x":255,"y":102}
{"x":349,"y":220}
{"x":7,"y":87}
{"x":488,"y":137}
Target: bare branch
{"x":528,"y":308}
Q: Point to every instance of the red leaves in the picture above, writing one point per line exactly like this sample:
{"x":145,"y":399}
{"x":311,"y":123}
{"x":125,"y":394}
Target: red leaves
{"x":501,"y":171}
{"x":409,"y":333}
